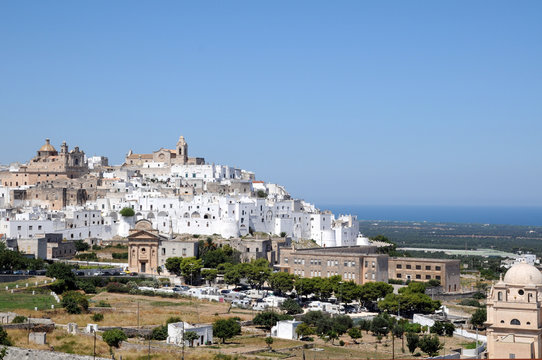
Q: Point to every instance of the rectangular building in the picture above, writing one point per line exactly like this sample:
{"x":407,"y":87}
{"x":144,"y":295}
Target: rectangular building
{"x":420,"y":269}
{"x":360,"y":264}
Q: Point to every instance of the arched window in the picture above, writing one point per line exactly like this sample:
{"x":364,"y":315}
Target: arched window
{"x":515,"y":322}
{"x":499,"y":296}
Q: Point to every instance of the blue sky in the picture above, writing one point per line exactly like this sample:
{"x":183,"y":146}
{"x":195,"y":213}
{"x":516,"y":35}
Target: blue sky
{"x":349,"y":102}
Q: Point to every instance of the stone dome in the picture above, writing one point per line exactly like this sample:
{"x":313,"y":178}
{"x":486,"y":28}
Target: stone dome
{"x":47,"y":146}
{"x":523,"y":274}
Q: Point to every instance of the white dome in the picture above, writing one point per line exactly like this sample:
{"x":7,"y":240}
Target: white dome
{"x":523,"y":274}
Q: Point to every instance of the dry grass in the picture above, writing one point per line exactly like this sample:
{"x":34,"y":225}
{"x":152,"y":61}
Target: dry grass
{"x":153,"y":310}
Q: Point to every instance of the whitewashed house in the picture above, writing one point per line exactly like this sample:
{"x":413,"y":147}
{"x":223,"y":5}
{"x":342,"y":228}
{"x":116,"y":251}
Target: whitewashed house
{"x":285,"y":329}
{"x":176,"y":331}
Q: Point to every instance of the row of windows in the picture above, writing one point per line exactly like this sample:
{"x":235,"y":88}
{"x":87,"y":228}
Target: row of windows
{"x":30,"y":227}
{"x":418,"y":276}
{"x":418,"y":267}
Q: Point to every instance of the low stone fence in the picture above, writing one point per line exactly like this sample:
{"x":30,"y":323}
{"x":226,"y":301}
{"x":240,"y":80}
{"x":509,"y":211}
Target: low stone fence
{"x":104,"y":310}
{"x":15,"y":353}
{"x":33,"y":327}
{"x":130,"y":332}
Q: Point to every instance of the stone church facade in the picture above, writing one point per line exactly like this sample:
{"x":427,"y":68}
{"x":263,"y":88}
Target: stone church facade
{"x":47,"y":166}
{"x":168,"y":157}
{"x":514,"y":316}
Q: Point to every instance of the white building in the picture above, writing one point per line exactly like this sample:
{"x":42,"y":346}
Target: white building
{"x":176,"y":331}
{"x":285,"y":329}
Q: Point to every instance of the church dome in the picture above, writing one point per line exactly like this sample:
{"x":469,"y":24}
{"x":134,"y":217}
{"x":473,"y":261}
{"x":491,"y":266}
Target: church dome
{"x":47,"y":146}
{"x":523,"y":274}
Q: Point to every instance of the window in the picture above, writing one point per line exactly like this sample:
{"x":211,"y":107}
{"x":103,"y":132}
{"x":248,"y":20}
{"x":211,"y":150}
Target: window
{"x":409,"y":267}
{"x":418,"y":276}
{"x":399,"y":266}
{"x":18,"y":228}
{"x":286,"y":260}
{"x":437,"y":268}
{"x":345,"y":263}
{"x":39,"y":227}
{"x":521,"y":292}
{"x":427,"y":277}
{"x":499,"y":296}
{"x":515,"y":322}
{"x":184,"y":252}
{"x":418,"y":267}
{"x":399,"y":276}
{"x":437,"y":277}
{"x":30,"y":227}
{"x":428,"y":267}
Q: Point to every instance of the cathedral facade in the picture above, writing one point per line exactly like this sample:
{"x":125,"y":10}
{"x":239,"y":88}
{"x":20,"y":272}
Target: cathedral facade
{"x":167,"y":157}
{"x":514,"y":316}
{"x":48,"y":165}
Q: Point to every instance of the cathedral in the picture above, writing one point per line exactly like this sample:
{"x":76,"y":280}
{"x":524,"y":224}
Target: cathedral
{"x":514,"y":316}
{"x":168,"y":157}
{"x":48,"y":165}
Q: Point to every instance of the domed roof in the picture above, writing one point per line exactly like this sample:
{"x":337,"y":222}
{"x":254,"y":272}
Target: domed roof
{"x":47,"y":146}
{"x":523,"y":274}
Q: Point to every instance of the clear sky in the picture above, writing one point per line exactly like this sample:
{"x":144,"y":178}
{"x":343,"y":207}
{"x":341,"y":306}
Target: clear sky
{"x":343,"y":102}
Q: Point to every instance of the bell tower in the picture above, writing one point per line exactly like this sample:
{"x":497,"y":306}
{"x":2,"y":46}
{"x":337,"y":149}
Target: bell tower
{"x":182,"y":150}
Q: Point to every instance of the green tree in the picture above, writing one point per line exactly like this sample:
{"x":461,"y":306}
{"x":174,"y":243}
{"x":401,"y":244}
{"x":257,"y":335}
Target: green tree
{"x":159,"y":333}
{"x":173,"y":319}
{"x":269,"y":341}
{"x":342,"y":323}
{"x":413,"y":340}
{"x":190,"y":269}
{"x":355,"y":334}
{"x":479,"y":318}
{"x":258,"y":273}
{"x":430,"y":345}
{"x":226,"y":329}
{"x":209,"y":275}
{"x":281,"y":282}
{"x":173,"y":265}
{"x":268,"y":319}
{"x":19,"y":319}
{"x":61,"y":271}
{"x":291,"y":307}
{"x":232,"y":276}
{"x":303,"y":330}
{"x":80,"y":245}
{"x":190,"y":336}
{"x":212,"y":258}
{"x":4,"y":337}
{"x":74,"y":302}
{"x":381,"y":324}
{"x":127,"y":212}
{"x":347,"y":292}
{"x":305,"y":286}
{"x":372,"y":291}
{"x":113,"y":338}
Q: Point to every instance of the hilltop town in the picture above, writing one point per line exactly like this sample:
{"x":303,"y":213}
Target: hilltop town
{"x":186,"y":254}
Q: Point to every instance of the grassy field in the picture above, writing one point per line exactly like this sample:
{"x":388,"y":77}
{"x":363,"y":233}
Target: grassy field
{"x":24,"y":299}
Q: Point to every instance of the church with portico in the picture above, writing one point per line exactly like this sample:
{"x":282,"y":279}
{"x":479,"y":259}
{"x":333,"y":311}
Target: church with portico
{"x":514,"y":316}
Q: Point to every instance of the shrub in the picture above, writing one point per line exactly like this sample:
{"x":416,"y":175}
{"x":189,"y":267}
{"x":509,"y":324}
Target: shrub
{"x":116,"y":287}
{"x":120,"y":255}
{"x":103,"y":303}
{"x":127,"y":212}
{"x":19,"y":319}
{"x":97,"y":317}
{"x":114,"y":337}
{"x":4,"y":338}
{"x":159,"y":333}
{"x":341,"y":343}
{"x":87,"y":256}
{"x":173,"y":319}
{"x":87,"y":286}
{"x":74,"y":302}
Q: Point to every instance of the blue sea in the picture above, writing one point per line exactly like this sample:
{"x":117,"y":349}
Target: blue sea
{"x":505,"y":215}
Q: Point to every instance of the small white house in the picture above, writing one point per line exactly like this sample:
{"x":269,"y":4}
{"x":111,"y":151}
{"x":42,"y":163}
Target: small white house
{"x":285,"y":329}
{"x":175,"y":332}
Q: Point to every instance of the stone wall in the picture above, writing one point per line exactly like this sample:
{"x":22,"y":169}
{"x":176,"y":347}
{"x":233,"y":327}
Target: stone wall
{"x":27,"y":354}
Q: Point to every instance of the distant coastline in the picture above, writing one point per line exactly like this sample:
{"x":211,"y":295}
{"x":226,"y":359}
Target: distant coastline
{"x":501,"y":215}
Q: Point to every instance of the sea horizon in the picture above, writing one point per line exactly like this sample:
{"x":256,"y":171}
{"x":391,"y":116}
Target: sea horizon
{"x":466,"y":214}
